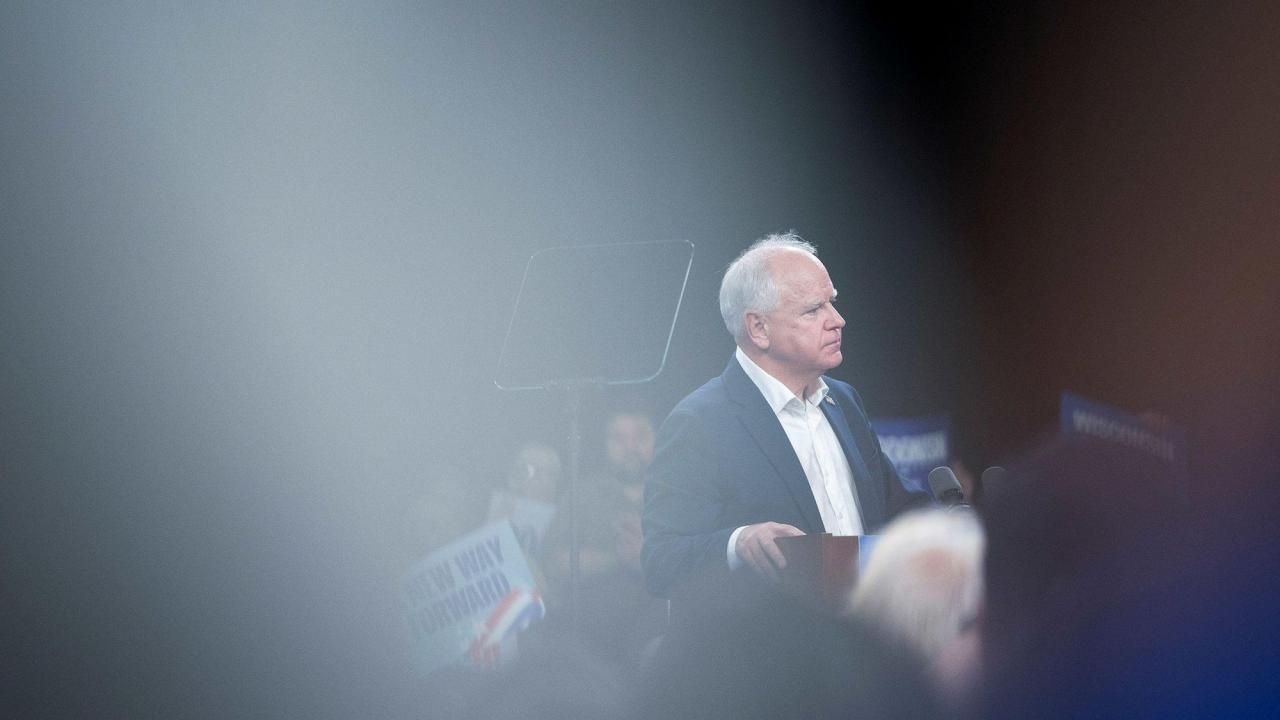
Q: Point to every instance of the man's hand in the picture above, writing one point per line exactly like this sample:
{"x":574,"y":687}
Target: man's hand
{"x":628,"y":538}
{"x":757,"y":546}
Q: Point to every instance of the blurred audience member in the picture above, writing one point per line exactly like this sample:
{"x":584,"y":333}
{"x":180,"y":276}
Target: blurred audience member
{"x":618,"y":617}
{"x":534,"y":473}
{"x":609,"y":502}
{"x":528,"y":498}
{"x":1106,"y":599}
{"x":922,"y":588}
{"x":629,"y":446}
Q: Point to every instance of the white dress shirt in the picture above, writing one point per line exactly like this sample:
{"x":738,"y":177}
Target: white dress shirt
{"x":816,"y":446}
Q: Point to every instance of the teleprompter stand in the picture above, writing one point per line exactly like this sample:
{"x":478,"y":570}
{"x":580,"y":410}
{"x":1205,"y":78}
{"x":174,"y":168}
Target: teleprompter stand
{"x":589,"y":316}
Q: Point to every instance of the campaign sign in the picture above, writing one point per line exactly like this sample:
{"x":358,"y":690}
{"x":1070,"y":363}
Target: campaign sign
{"x":1166,"y":441}
{"x":914,"y":446}
{"x":466,"y":602}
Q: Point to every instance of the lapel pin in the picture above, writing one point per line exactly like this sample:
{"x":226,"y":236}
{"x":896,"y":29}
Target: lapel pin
{"x":830,"y":400}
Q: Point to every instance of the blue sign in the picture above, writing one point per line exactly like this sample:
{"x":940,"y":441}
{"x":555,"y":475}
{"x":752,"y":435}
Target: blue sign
{"x":866,"y":543}
{"x":1159,"y":438}
{"x":915,"y":446}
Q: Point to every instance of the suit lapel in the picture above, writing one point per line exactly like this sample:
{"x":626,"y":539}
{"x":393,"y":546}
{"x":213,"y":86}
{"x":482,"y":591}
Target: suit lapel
{"x":763,"y":426}
{"x":869,"y":498}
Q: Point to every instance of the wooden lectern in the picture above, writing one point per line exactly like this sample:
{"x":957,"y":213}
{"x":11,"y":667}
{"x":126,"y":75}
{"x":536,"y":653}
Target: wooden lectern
{"x":820,"y":569}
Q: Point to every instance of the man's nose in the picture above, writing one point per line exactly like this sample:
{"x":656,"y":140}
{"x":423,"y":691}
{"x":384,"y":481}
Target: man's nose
{"x":836,"y":320}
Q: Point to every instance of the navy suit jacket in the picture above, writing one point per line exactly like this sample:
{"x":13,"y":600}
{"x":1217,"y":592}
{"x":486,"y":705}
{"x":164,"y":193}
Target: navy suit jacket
{"x":723,"y":461}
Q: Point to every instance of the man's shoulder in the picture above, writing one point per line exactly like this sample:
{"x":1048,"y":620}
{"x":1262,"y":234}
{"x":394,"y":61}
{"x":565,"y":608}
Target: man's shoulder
{"x":709,"y":397}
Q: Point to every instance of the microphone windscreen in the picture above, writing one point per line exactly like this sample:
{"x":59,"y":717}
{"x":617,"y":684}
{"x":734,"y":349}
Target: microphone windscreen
{"x":942,"y":480}
{"x":993,"y":475}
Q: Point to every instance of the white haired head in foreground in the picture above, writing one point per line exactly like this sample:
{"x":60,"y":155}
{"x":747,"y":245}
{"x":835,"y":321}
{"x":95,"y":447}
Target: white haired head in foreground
{"x":923,"y":582}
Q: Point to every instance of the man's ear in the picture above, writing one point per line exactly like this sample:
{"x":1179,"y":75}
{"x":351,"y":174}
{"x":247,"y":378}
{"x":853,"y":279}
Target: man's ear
{"x":757,"y":330}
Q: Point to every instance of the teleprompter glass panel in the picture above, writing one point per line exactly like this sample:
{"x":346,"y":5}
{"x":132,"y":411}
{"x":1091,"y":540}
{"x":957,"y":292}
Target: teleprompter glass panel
{"x":595,"y":314}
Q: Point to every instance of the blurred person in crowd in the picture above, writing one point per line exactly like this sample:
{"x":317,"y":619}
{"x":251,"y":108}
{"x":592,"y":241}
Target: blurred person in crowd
{"x":1107,"y":598}
{"x":618,"y":617}
{"x":772,"y":447}
{"x":528,"y":498}
{"x":534,"y":473}
{"x":609,"y":502}
{"x":629,"y":441}
{"x":922,"y":588}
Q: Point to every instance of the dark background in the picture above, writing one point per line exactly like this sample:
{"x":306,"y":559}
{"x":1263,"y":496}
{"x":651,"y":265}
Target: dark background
{"x":257,"y":261}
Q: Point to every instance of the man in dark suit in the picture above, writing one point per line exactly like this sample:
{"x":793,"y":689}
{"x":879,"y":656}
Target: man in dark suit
{"x":771,"y":448}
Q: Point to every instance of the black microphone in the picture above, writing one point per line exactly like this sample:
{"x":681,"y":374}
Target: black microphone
{"x":993,"y":475}
{"x":946,"y":488}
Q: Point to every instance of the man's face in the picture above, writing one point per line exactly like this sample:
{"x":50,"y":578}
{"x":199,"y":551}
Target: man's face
{"x":629,"y":443}
{"x":804,"y":330}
